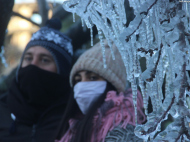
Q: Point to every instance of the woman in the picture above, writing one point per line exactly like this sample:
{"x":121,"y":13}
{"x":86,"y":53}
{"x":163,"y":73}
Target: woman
{"x":98,"y":107}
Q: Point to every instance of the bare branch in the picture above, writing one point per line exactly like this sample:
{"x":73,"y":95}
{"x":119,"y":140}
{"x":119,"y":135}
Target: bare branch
{"x":23,"y":17}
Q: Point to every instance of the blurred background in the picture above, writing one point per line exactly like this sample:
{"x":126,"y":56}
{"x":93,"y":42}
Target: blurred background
{"x":19,"y":19}
{"x":26,"y":17}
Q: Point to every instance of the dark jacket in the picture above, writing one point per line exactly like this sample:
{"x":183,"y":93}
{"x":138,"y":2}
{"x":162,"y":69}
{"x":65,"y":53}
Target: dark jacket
{"x":43,"y":131}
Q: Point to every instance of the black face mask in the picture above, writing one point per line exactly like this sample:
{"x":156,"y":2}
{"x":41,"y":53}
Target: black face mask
{"x":36,"y":91}
{"x":40,"y":87}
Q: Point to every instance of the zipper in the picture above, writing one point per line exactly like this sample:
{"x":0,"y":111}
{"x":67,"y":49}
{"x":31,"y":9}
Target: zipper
{"x":33,"y":132}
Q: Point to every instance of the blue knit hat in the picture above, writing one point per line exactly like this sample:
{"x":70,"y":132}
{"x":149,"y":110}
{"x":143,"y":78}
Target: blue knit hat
{"x":58,"y":44}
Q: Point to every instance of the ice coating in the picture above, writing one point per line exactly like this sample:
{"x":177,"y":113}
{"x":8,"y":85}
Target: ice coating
{"x":160,"y":32}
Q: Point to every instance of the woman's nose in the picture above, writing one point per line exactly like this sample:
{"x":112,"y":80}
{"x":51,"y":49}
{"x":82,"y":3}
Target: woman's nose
{"x":84,"y":79}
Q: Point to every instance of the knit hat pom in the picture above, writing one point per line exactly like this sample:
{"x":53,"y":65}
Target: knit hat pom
{"x":54,"y":23}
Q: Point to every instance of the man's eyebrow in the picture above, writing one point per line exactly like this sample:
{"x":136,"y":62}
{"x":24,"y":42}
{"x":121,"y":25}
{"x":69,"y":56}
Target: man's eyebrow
{"x":27,"y":53}
{"x":46,"y":55}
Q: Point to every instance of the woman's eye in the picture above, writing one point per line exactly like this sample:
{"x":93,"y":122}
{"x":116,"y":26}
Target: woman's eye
{"x":77,"y":79}
{"x":93,"y":78}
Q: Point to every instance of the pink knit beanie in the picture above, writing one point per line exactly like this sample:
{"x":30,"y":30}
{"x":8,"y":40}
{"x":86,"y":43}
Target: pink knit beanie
{"x":92,"y":60}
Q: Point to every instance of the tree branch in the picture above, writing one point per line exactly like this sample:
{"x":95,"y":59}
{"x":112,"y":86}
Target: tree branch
{"x":145,"y":12}
{"x":43,"y":10}
{"x":25,"y":18}
{"x":151,"y":129}
{"x":155,"y":68}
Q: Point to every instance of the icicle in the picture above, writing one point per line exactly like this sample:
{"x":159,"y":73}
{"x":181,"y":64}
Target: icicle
{"x":3,"y":60}
{"x":103,"y":47}
{"x":134,"y":90}
{"x":82,"y":22}
{"x":157,"y":104}
{"x":116,"y":32}
{"x":134,"y":74}
{"x":154,"y":95}
{"x":146,"y":99}
{"x":101,"y":5}
{"x":91,"y":35}
{"x":110,"y":45}
{"x":73,"y":17}
{"x":142,"y":86}
{"x":187,"y":10}
{"x":159,"y":88}
{"x":122,"y":18}
{"x":148,"y":29}
{"x":171,"y":69}
{"x":161,"y":75}
{"x":84,"y":26}
{"x":134,"y":56}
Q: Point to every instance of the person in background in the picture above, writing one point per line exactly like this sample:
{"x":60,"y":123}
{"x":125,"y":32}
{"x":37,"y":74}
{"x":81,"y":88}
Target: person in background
{"x":33,"y":107}
{"x":100,"y":108}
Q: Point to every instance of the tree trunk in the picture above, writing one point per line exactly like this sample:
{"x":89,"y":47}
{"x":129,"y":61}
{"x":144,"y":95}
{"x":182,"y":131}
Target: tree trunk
{"x":6,"y":12}
{"x":43,"y":11}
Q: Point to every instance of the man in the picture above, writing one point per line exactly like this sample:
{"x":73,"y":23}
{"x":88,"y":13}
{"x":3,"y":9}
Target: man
{"x":33,"y":107}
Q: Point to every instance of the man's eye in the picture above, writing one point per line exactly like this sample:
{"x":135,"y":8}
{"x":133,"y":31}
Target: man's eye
{"x":28,"y":58}
{"x":45,"y":60}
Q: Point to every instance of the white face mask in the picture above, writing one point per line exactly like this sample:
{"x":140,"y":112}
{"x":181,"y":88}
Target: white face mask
{"x":87,"y":92}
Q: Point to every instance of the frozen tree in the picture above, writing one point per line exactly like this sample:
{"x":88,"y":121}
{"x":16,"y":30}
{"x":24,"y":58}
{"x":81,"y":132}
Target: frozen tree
{"x":159,"y":32}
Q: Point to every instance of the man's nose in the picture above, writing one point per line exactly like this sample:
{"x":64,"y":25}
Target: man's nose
{"x":35,"y":62}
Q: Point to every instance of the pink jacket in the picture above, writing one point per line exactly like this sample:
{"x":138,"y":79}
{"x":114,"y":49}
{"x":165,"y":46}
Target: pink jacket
{"x":121,"y":113}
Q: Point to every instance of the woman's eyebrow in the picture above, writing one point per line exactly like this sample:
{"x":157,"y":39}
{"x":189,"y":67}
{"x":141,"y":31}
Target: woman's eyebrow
{"x":89,"y":72}
{"x":77,"y":75}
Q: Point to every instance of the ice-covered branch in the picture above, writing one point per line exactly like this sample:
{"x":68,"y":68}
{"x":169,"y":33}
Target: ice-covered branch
{"x":149,"y":7}
{"x":145,"y":13}
{"x":152,"y":75}
{"x":160,"y":32}
{"x":151,"y":51}
{"x":157,"y":120}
